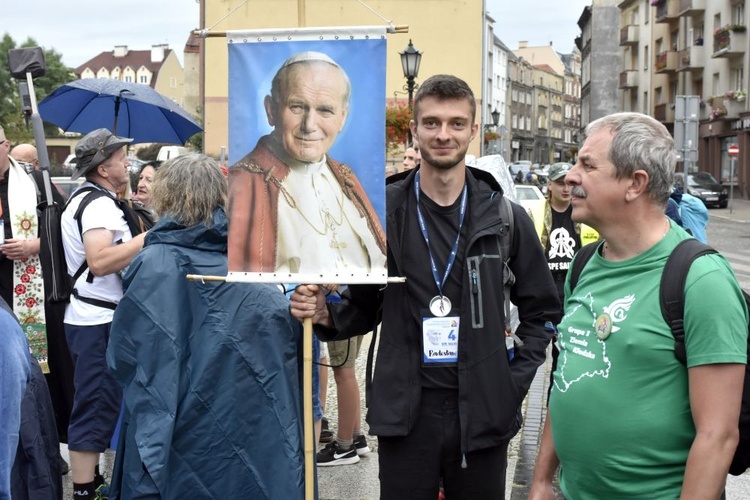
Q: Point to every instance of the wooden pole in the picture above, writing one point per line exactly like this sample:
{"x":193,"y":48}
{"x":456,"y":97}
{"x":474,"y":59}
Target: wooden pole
{"x":309,"y":432}
{"x":222,"y":34}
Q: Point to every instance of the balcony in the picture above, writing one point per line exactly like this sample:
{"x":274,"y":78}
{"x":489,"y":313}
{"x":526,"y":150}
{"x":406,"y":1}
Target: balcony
{"x":629,"y":35}
{"x":692,"y":59}
{"x":692,"y":7}
{"x":730,"y":41}
{"x":628,"y":79}
{"x":667,"y":11}
{"x":664,"y":113}
{"x":666,"y":62}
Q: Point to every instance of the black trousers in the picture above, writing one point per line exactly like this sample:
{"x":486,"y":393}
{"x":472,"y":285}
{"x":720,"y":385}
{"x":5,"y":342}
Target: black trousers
{"x":411,"y":467}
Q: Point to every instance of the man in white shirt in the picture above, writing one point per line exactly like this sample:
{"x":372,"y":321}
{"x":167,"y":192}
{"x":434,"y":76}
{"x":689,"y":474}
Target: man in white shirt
{"x":105,"y":242}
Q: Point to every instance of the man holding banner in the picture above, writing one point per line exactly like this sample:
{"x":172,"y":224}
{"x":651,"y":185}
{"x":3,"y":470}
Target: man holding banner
{"x":293,"y":208}
{"x":445,"y":398}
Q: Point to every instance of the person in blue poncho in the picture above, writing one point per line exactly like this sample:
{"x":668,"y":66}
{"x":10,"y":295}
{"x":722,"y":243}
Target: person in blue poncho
{"x":210,"y":371}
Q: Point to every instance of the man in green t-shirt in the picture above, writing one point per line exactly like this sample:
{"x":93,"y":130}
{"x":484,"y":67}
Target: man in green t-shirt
{"x":626,"y":419}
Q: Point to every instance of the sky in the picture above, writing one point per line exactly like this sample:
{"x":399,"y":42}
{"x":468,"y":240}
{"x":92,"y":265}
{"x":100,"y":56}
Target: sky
{"x":81,"y":29}
{"x":539,"y":22}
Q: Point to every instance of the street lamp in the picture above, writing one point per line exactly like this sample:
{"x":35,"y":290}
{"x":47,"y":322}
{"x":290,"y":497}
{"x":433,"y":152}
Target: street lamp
{"x":495,"y":117}
{"x":410,"y":59}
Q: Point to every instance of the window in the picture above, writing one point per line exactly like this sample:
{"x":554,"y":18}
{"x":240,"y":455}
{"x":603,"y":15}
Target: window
{"x":128,"y":79}
{"x":717,"y":21}
{"x":658,"y":95}
{"x":737,"y":78}
{"x":645,"y":57}
{"x":645,"y":103}
{"x":715,"y":84}
{"x":738,"y":13}
{"x":144,"y":79}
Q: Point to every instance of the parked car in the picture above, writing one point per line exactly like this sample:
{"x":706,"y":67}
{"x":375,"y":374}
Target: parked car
{"x":66,"y":186}
{"x":70,"y":163}
{"x":532,"y":199}
{"x":704,"y":186}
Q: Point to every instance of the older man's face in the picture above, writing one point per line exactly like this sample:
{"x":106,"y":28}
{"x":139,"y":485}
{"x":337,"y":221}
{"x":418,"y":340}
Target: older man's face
{"x":310,"y":111}
{"x":4,"y":149}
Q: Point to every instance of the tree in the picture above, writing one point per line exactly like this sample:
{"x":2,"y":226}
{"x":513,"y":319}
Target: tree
{"x":10,"y":101}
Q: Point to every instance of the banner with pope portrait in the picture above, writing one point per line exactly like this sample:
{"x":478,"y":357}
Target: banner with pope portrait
{"x":307,"y":155}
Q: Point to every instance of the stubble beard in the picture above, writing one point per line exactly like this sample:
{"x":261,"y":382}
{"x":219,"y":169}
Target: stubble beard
{"x":443,"y":163}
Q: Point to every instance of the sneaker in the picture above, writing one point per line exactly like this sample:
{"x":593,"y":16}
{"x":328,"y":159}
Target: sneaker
{"x":326,"y":436}
{"x":360,"y":444}
{"x":333,"y":455}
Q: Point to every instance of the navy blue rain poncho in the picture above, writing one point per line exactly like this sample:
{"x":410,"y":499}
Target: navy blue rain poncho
{"x":211,"y":376}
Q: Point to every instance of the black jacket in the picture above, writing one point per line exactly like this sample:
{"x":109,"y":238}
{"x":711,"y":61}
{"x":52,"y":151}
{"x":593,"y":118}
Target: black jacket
{"x":491,"y":388}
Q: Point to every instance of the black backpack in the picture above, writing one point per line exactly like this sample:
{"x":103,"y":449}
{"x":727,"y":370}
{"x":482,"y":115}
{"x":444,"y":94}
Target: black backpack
{"x":672,"y":300}
{"x":60,"y":284}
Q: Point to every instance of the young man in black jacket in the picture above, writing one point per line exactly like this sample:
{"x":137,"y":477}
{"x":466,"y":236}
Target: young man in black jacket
{"x":445,"y":399}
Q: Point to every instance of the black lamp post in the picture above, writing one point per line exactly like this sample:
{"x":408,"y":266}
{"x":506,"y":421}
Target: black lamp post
{"x":410,"y":59}
{"x":495,"y":117}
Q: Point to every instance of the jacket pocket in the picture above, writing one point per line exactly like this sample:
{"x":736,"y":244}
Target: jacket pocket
{"x":475,"y":267}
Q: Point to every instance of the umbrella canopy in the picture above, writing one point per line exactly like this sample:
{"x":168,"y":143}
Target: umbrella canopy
{"x":128,"y":109}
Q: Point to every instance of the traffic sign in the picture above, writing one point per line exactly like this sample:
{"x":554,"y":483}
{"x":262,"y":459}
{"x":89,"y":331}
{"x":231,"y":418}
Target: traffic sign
{"x":733,"y":150}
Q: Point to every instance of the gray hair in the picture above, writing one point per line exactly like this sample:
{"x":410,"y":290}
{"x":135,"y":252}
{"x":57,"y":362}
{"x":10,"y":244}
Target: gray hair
{"x":189,"y":188}
{"x":640,"y":142}
{"x":307,"y":59}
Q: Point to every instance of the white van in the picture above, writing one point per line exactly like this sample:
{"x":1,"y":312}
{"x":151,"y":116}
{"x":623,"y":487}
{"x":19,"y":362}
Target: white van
{"x":169,"y":152}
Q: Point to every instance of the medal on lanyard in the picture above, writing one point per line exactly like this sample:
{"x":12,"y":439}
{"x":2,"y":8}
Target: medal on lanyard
{"x":440,"y":305}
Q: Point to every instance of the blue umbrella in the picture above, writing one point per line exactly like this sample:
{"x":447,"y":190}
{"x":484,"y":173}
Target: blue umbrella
{"x":128,"y":109}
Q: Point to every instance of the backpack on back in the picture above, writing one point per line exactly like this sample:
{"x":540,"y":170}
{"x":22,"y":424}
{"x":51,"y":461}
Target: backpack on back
{"x":672,"y":301}
{"x":60,"y":284}
{"x":694,"y":216}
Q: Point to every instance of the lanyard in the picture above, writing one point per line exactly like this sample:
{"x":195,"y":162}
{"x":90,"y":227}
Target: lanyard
{"x":423,"y":227}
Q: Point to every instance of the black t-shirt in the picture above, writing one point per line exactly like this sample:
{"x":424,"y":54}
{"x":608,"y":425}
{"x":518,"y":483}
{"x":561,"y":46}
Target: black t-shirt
{"x":562,"y":244}
{"x":442,"y":228}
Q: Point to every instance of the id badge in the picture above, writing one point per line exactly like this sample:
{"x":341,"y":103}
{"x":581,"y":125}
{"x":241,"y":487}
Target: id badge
{"x":440,"y":340}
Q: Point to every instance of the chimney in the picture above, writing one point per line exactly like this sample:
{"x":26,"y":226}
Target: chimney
{"x":523,"y":44}
{"x":158,"y":52}
{"x":120,"y":50}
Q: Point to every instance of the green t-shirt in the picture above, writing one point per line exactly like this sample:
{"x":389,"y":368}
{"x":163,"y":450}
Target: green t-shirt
{"x":620,"y":411}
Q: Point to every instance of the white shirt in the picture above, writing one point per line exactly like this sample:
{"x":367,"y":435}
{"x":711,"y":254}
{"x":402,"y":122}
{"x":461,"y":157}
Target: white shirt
{"x":325,"y":226}
{"x":100,"y":213}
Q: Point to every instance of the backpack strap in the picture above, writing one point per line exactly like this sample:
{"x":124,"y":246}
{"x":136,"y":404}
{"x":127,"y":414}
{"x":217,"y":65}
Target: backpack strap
{"x":507,"y":234}
{"x":579,"y":262}
{"x":672,"y":289}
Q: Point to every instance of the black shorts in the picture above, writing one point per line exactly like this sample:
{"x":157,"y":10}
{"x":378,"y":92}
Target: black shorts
{"x":97,"y":398}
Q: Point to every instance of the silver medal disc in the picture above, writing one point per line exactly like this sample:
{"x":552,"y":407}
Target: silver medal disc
{"x":440,"y":306}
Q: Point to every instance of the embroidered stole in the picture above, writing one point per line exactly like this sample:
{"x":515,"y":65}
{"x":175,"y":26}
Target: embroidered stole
{"x":28,"y":287}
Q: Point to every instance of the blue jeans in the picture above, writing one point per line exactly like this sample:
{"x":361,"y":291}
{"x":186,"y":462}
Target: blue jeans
{"x":14,"y":376}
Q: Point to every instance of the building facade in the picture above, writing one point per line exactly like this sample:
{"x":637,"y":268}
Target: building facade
{"x":674,"y":48}
{"x":520,"y":108}
{"x":448,"y":32}
{"x":600,"y":61}
{"x":158,"y":68}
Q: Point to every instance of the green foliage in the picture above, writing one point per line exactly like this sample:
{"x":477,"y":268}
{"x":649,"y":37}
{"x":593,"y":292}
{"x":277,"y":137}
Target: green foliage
{"x":10,"y":101}
{"x":397,"y":118}
{"x":196,"y":141}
